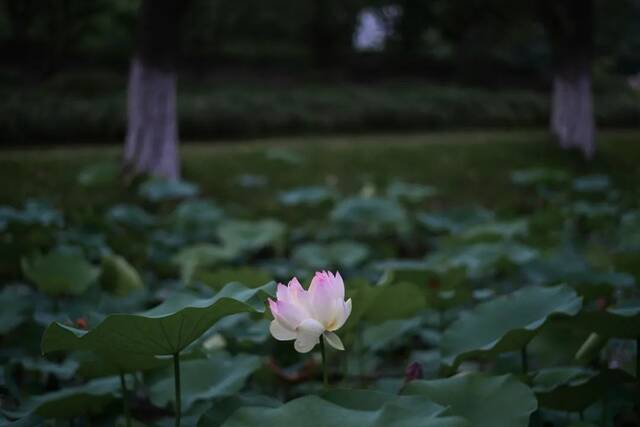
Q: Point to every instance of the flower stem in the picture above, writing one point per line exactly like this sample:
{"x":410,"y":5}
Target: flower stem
{"x":125,"y":400}
{"x":638,"y":359}
{"x":176,"y":377}
{"x":325,"y":377}
{"x":525,"y":360}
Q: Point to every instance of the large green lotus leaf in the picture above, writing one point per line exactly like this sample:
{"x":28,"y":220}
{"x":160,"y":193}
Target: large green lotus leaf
{"x":410,"y":192}
{"x":389,"y":335}
{"x":538,"y":176}
{"x":497,"y":230}
{"x":406,"y":270}
{"x":592,"y":284}
{"x":370,"y":215}
{"x":63,"y":371}
{"x":454,"y":221}
{"x":573,"y":389}
{"x":385,"y":301}
{"x":481,"y":258}
{"x":28,"y":421}
{"x":131,"y":216}
{"x":628,"y":233}
{"x":443,"y":289}
{"x":352,"y":408}
{"x":203,"y":379}
{"x":159,"y":190}
{"x":306,"y":196}
{"x":60,"y":273}
{"x":34,"y":213}
{"x":244,"y":330}
{"x":94,"y":365}
{"x":593,"y":210}
{"x":127,"y":340}
{"x":248,"y":276}
{"x":556,"y":343}
{"x":316,"y":256}
{"x":591,"y":183}
{"x":251,"y":235}
{"x":14,"y":303}
{"x":567,"y":265}
{"x":71,"y":402}
{"x":620,"y":322}
{"x":506,"y":323}
{"x":194,"y":215}
{"x":119,"y":277}
{"x":203,"y":255}
{"x":485,"y":401}
{"x":252,"y":181}
{"x":222,"y":408}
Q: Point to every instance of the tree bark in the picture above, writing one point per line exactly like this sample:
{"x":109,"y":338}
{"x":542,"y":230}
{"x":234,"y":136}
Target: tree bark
{"x":572,"y":117}
{"x":151,"y":145}
{"x":569,"y":24}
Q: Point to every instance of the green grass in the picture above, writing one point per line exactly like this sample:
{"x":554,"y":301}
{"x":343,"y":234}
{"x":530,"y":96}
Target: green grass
{"x":467,"y":167}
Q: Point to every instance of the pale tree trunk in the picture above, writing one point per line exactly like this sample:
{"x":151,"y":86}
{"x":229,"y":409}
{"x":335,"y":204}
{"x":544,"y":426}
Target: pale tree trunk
{"x":569,"y":24}
{"x":572,"y":117}
{"x":151,"y":145}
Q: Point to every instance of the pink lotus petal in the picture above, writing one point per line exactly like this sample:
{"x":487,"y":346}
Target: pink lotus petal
{"x":309,"y":333}
{"x":290,"y":314}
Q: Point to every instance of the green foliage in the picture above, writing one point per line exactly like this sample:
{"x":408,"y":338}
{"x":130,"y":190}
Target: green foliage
{"x":506,"y":323}
{"x":622,"y":321}
{"x":370,"y":215}
{"x":201,"y":255}
{"x":60,"y":273}
{"x":385,"y":301}
{"x":306,"y":196}
{"x":73,"y":401}
{"x":462,"y":296}
{"x":157,"y":190}
{"x":352,"y":408}
{"x":247,"y":236}
{"x":574,"y":389}
{"x":119,"y":277}
{"x":345,"y":254}
{"x":99,"y":175}
{"x":128,"y":340}
{"x":484,"y":401}
{"x":205,"y":379}
{"x":248,"y":276}
{"x":14,"y":303}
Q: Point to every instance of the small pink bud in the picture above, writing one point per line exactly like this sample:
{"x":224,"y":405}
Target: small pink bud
{"x":413,"y":372}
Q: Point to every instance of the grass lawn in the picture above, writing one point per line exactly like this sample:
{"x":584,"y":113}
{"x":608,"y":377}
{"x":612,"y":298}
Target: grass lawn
{"x":466,"y":167}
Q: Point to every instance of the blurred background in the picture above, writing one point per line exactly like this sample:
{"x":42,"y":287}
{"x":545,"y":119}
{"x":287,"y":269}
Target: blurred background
{"x":251,"y":69}
{"x":442,"y":155}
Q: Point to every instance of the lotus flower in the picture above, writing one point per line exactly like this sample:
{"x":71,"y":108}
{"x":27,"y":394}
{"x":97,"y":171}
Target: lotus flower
{"x":305,"y":315}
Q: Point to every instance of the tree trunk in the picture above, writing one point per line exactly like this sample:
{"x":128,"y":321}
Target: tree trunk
{"x":572,"y":119}
{"x":569,"y":24}
{"x":151,"y":145}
